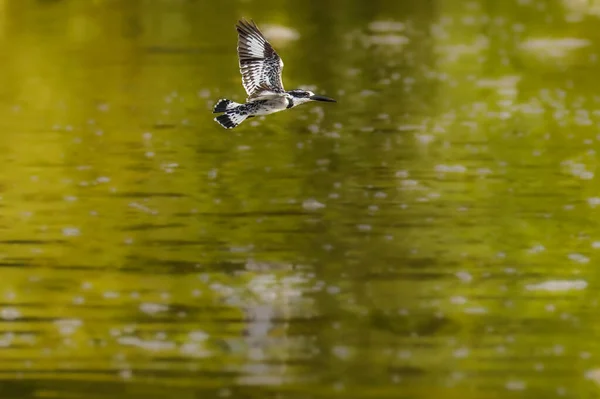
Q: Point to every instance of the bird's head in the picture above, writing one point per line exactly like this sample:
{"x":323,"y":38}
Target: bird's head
{"x":299,"y":96}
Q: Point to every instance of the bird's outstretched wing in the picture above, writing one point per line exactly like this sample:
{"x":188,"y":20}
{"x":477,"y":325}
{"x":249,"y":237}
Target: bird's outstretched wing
{"x":259,"y":63}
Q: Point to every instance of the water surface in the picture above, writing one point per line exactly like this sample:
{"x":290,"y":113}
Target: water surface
{"x":433,"y":234}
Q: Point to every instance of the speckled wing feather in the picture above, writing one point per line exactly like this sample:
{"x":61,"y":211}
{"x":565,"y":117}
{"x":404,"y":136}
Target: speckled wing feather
{"x":259,"y":63}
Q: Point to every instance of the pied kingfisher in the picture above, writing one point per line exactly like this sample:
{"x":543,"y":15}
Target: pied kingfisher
{"x":261,"y":77}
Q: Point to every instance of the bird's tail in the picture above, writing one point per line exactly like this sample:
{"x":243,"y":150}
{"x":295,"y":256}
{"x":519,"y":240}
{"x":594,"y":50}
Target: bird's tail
{"x":230,"y":119}
{"x":224,"y":105}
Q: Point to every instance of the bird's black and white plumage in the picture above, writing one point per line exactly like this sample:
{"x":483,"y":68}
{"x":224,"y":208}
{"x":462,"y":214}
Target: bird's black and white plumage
{"x":260,"y":65}
{"x":261,"y":68}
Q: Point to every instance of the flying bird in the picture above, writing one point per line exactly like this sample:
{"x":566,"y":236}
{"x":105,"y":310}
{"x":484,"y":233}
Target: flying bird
{"x":261,"y":77}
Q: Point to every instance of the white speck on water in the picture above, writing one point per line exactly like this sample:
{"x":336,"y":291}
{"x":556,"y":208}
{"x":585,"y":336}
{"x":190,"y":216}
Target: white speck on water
{"x":579,"y":170}
{"x":78,"y":300}
{"x":111,"y":295}
{"x":593,"y":375}
{"x":475,"y":310}
{"x":458,"y":300}
{"x":403,"y":312}
{"x":539,"y":367}
{"x":149,"y":154}
{"x":125,"y":374}
{"x":142,"y":208}
{"x":518,"y":28}
{"x":342,"y":352}
{"x":198,"y":336}
{"x":579,"y":258}
{"x":556,"y":48}
{"x":424,"y":138}
{"x":153,"y":308}
{"x":461,"y":353}
{"x":7,"y":340}
{"x":565,"y":316}
{"x":152,"y":345}
{"x":550,"y":308}
{"x":515,"y":385}
{"x":558,"y":350}
{"x":450,"y":168}
{"x":194,"y":349}
{"x":386,"y":26}
{"x":593,"y":201}
{"x":373,"y":209}
{"x":408,"y":128}
{"x":395,"y":40}
{"x":439,"y":129}
{"x":457,"y":375}
{"x":333,"y":290}
{"x":364,"y":227}
{"x":212,"y":174}
{"x":68,"y":326}
{"x":313,"y":128}
{"x":411,"y":184}
{"x":367,"y":93}
{"x":312,"y":204}
{"x":103,"y":179}
{"x":169,"y":167}
{"x":71,"y":231}
{"x":536,"y":249}
{"x":280,"y":33}
{"x":464,"y":276}
{"x":558,"y":285}
{"x":10,"y":314}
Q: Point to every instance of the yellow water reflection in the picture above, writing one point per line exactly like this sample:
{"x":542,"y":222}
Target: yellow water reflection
{"x":434,"y":233}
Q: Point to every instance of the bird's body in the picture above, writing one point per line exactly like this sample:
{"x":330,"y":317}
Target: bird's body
{"x":261,"y":77}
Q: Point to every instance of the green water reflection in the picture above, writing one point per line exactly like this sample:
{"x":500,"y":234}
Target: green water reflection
{"x":433,"y":234}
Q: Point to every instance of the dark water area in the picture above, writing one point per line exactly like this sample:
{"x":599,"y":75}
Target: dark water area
{"x":433,"y":234}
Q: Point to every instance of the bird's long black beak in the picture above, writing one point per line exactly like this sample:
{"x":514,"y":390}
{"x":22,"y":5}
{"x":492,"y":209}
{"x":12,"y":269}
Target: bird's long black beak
{"x":322,"y":98}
